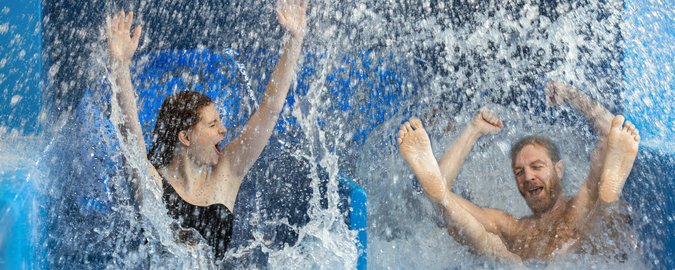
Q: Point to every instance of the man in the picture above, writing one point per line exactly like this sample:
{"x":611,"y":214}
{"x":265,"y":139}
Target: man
{"x":557,"y":224}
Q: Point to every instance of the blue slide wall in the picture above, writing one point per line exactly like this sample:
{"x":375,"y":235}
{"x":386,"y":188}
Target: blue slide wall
{"x":648,"y":60}
{"x":20,"y":104}
{"x":20,"y":65}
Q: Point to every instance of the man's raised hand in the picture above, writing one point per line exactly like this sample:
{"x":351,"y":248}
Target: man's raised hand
{"x":487,"y":122}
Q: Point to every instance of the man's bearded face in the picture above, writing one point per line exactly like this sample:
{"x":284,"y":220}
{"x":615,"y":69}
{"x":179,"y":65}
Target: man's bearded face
{"x":538,"y":178}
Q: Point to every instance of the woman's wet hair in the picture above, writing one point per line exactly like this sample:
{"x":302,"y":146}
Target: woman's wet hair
{"x":550,"y":147}
{"x":179,"y":112}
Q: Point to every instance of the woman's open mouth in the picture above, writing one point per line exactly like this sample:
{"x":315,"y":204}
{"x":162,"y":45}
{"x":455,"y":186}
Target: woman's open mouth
{"x":219,"y":147}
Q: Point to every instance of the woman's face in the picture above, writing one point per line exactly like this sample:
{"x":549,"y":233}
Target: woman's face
{"x":205,"y":136}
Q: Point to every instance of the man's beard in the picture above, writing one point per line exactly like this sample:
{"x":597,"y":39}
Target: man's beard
{"x":553,"y":192}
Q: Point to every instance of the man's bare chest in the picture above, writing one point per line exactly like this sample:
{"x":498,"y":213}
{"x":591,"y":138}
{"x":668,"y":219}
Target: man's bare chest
{"x":541,"y":239}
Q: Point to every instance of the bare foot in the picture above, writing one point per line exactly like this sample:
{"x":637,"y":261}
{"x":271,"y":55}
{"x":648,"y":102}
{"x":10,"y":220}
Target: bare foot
{"x":622,"y":147}
{"x":416,"y":150}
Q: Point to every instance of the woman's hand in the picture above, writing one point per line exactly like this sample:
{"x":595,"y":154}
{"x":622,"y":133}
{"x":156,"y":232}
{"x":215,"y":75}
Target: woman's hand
{"x":122,"y":46}
{"x":291,"y":15}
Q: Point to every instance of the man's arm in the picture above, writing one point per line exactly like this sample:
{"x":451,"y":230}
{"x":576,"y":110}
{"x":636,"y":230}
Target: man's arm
{"x":484,"y":240}
{"x":467,"y":222}
{"x":558,"y":93}
{"x":485,"y":122}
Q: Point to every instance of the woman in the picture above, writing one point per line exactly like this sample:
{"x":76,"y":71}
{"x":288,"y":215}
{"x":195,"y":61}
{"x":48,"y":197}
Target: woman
{"x":201,"y":180}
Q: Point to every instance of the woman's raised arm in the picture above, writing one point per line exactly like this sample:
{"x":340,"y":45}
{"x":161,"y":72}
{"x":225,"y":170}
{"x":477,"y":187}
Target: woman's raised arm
{"x":122,"y":46}
{"x":244,"y":150}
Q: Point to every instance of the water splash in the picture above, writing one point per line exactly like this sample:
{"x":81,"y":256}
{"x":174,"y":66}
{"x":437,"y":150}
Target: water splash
{"x":437,"y":59}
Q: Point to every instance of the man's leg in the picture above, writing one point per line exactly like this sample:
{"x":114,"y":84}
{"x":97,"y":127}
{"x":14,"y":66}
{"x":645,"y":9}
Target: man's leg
{"x":622,"y":147}
{"x":558,"y":93}
{"x":621,"y":150}
{"x":415,"y":148}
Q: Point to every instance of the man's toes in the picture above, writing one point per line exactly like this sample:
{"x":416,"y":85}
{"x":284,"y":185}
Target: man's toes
{"x":408,"y":128}
{"x":402,"y":127}
{"x":625,"y":127}
{"x":629,"y":125}
{"x":617,"y":121}
{"x":415,"y":122}
{"x":631,"y":128}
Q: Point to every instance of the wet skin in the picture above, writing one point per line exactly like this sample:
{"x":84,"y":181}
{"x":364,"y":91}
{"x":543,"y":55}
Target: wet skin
{"x":203,"y":138}
{"x":553,"y":227}
{"x":558,"y":224}
{"x":201,"y":172}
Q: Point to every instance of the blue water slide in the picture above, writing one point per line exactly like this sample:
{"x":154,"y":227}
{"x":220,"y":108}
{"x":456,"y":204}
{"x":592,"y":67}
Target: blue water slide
{"x":20,"y":66}
{"x":354,"y":205}
{"x":20,"y":104}
{"x":648,"y":60}
{"x":18,"y":220}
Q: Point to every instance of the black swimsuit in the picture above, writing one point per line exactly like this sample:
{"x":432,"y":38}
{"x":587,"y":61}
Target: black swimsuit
{"x":213,"y":222}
